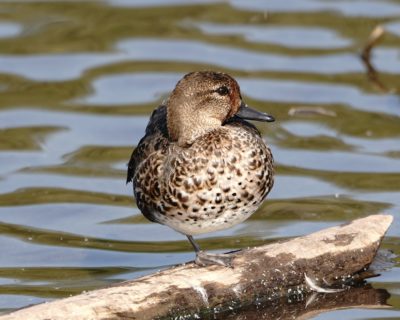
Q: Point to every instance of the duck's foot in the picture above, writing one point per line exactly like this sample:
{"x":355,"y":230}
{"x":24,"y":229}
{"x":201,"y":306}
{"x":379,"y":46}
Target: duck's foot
{"x":207,"y":259}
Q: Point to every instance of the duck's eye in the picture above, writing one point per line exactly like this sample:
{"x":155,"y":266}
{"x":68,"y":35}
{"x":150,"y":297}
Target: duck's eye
{"x":223,"y":91}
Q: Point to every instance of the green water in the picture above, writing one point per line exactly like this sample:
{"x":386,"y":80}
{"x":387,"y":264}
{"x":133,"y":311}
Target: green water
{"x":78,"y":80}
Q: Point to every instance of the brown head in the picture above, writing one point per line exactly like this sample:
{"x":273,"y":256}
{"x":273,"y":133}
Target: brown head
{"x":201,"y":102}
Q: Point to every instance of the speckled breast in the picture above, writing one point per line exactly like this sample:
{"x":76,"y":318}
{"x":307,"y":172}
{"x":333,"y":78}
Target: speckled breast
{"x":214,"y":184}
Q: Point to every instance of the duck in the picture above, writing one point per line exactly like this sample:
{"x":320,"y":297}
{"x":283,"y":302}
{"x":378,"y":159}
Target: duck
{"x":201,"y":166}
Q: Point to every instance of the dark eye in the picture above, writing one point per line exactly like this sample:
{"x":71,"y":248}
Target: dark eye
{"x":223,"y":91}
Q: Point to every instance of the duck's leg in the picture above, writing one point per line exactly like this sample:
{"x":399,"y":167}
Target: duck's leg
{"x":207,"y":259}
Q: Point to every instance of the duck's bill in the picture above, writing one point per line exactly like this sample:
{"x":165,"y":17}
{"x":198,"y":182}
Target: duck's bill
{"x":247,"y":113}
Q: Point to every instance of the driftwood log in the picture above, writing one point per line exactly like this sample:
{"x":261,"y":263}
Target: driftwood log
{"x":287,"y":270}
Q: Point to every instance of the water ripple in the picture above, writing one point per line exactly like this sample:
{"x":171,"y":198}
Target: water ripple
{"x":131,"y":88}
{"x":237,"y":59}
{"x":356,"y":8}
{"x":317,"y":93}
{"x":292,"y":37}
{"x":8,"y":29}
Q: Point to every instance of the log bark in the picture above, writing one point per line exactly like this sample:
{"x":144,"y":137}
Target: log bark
{"x":333,"y":256}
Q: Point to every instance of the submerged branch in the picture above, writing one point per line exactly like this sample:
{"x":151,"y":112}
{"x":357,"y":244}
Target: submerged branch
{"x":373,"y":75}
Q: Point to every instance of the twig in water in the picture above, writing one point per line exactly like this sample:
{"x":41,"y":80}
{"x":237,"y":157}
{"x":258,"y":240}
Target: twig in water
{"x":308,"y":110}
{"x":373,"y":39}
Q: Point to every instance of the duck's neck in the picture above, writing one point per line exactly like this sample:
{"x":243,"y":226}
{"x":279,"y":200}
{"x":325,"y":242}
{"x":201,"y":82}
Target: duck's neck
{"x":185,"y":126}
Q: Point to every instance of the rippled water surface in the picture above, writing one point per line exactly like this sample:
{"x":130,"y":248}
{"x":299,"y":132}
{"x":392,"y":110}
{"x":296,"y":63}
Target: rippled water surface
{"x":79,"y":79}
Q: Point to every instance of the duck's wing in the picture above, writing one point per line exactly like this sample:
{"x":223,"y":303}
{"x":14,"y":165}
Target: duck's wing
{"x":155,"y":138}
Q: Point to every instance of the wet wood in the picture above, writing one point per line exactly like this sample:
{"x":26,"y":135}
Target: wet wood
{"x":269,"y":273}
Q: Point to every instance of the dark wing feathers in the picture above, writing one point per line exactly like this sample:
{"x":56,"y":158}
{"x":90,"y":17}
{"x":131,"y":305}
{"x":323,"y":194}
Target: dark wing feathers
{"x":156,"y":136}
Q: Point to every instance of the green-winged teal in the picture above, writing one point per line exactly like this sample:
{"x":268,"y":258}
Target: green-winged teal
{"x":200,"y":166}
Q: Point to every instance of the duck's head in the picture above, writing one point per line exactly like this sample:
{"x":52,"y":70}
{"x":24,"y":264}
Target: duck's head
{"x":201,"y":102}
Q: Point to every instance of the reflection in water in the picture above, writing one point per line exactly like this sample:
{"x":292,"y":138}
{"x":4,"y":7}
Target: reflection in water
{"x":393,"y":27}
{"x":55,"y":67}
{"x":376,"y":8}
{"x":316,"y":93}
{"x":308,"y":307}
{"x":131,"y":88}
{"x":78,"y":80}
{"x":150,"y":3}
{"x":233,"y":58}
{"x":9,"y":29}
{"x":295,"y":37}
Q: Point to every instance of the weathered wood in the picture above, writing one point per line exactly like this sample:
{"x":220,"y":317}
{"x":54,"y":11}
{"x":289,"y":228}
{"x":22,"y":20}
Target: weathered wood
{"x":267,"y":272}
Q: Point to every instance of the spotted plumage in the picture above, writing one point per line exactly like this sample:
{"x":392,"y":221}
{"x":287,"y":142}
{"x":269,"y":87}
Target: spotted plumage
{"x":200,"y":167}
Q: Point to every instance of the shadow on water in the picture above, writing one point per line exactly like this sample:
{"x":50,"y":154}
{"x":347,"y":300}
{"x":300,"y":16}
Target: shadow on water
{"x":78,"y":80}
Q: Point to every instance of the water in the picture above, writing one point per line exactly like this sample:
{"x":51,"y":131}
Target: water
{"x":79,"y":79}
